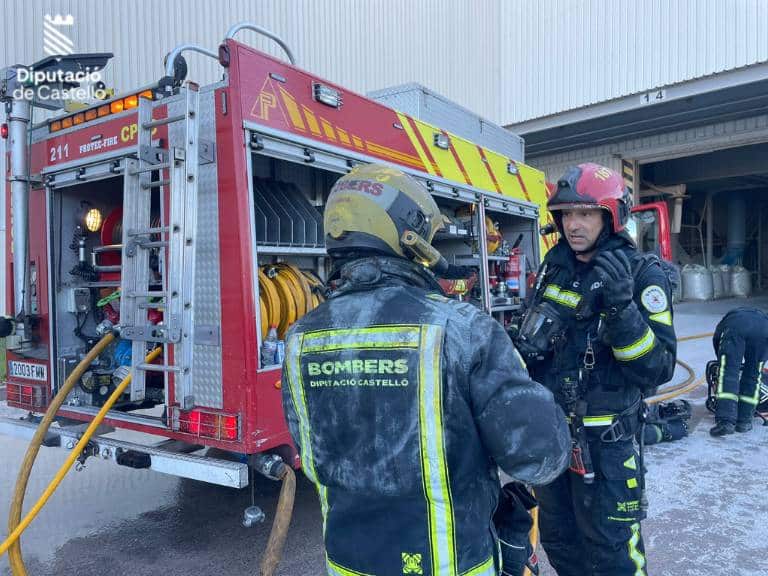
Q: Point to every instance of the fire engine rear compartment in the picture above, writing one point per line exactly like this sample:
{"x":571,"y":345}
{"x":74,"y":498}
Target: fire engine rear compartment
{"x":85,"y":288}
{"x":288,"y":198}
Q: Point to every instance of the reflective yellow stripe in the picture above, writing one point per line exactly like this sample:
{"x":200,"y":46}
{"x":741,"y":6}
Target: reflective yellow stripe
{"x":721,"y":395}
{"x":373,"y":337}
{"x":630,"y":463}
{"x":433,"y":460}
{"x":635,"y":555}
{"x":293,"y":369}
{"x":336,"y":570}
{"x":487,"y":568}
{"x":632,"y":483}
{"x":755,"y":398}
{"x":662,"y":318}
{"x":606,"y":420}
{"x":357,"y":345}
{"x":636,"y":349}
{"x":720,"y":375}
{"x":564,"y":297}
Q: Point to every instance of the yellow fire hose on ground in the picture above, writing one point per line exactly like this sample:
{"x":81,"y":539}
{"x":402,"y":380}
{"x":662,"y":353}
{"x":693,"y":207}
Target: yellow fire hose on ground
{"x":280,"y":524}
{"x":16,"y":525}
{"x":688,"y":384}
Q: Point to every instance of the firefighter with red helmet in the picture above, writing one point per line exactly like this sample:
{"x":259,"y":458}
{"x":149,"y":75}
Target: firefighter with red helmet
{"x":402,"y":403}
{"x":598,"y":333}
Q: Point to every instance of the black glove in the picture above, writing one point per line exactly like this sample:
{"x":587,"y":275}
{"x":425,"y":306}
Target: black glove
{"x":529,"y":352}
{"x":615,"y":270}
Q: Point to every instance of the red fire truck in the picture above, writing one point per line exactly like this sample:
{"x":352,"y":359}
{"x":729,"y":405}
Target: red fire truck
{"x":189,"y":218}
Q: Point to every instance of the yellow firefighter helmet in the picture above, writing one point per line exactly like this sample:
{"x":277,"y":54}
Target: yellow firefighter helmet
{"x":380,"y":209}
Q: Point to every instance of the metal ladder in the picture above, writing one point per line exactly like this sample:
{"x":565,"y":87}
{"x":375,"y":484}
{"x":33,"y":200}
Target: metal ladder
{"x":177,"y":242}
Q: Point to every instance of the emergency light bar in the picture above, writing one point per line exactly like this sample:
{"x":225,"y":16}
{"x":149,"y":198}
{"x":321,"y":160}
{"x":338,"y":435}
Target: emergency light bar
{"x":113,"y":107}
{"x":327,"y":95}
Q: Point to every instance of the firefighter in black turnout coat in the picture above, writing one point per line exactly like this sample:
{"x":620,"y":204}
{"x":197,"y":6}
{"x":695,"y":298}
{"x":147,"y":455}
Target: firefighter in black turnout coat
{"x":599,"y":334}
{"x":403,"y":403}
{"x":741,"y":345}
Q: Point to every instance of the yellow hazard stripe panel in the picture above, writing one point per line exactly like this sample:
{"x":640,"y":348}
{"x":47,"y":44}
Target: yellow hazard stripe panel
{"x":444,"y":158}
{"x":526,"y":183}
{"x":405,"y":123}
{"x":637,"y":349}
{"x":473,"y":164}
{"x":434,"y":463}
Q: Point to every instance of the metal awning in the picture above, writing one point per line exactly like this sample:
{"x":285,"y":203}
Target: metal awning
{"x":720,"y":97}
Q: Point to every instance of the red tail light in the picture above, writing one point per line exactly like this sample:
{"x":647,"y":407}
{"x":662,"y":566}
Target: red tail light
{"x":229,"y":427}
{"x":206,"y":424}
{"x":27,"y":395}
{"x":192,"y":424}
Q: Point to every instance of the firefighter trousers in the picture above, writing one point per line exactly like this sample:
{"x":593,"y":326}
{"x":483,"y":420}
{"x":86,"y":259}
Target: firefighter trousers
{"x":738,"y":395}
{"x":594,"y":529}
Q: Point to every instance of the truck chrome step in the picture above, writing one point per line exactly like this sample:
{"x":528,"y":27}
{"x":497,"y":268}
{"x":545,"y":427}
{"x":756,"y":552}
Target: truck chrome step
{"x":171,"y":460}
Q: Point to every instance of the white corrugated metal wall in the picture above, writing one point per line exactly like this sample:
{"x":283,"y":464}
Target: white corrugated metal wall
{"x":579,"y":52}
{"x":508,"y":60}
{"x":361,"y":44}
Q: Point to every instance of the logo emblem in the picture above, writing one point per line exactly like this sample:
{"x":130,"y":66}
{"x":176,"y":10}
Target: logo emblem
{"x":654,"y":299}
{"x":412,"y":563}
{"x":56,"y":41}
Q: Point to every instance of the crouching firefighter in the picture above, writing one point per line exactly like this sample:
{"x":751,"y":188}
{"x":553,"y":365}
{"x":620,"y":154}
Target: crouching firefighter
{"x":741,"y":344}
{"x":403,"y":403}
{"x":598,"y":333}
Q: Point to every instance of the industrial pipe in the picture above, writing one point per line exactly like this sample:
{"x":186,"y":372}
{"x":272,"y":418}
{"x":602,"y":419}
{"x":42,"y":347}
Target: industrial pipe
{"x":19,"y":117}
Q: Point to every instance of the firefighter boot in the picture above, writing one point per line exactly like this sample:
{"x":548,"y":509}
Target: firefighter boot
{"x":744,"y":426}
{"x":722,"y":429}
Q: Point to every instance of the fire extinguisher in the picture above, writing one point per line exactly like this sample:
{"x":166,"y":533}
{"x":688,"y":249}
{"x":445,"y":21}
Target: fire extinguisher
{"x":515,"y":268}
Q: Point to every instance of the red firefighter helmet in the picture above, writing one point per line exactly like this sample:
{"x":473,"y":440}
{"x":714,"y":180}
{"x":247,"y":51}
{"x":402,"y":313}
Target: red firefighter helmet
{"x":592,"y":186}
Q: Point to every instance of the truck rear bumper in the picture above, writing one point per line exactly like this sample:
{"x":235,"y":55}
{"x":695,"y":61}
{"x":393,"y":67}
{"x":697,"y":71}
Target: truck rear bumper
{"x":166,"y":456}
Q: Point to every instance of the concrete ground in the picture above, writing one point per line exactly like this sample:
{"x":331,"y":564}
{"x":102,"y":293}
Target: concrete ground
{"x":708,"y":504}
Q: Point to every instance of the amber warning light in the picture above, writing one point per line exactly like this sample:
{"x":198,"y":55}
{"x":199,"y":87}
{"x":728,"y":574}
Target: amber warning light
{"x":113,"y":107}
